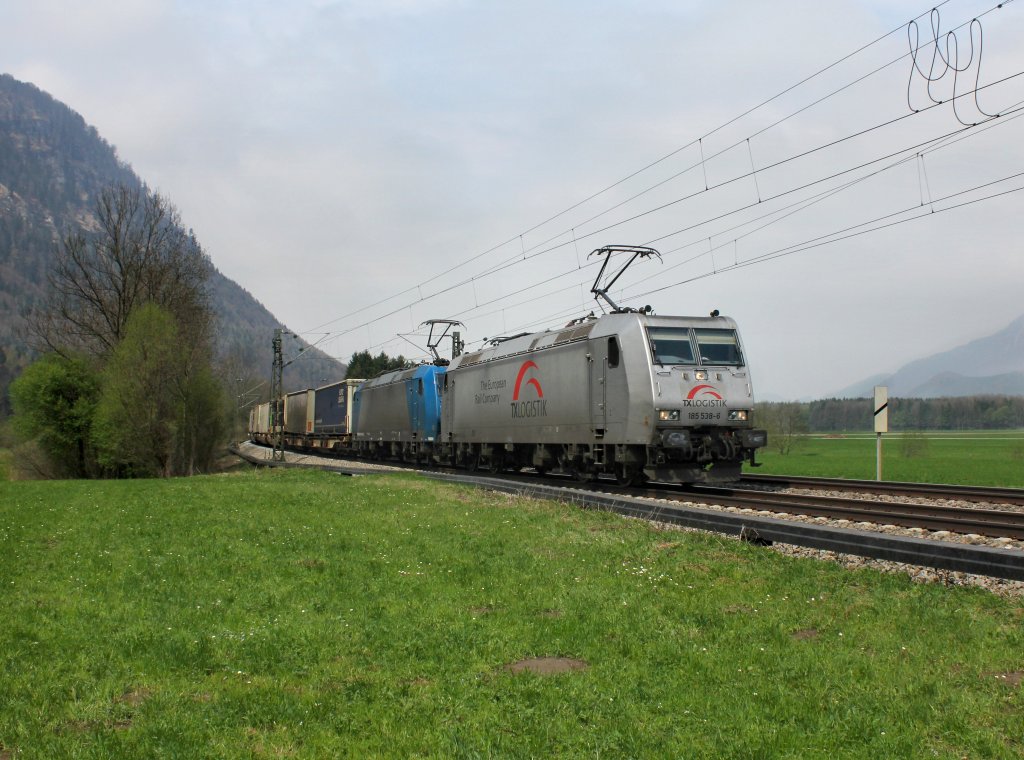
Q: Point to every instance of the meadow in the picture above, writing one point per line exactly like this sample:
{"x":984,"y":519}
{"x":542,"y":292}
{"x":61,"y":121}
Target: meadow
{"x":985,"y":458}
{"x":306,"y":614}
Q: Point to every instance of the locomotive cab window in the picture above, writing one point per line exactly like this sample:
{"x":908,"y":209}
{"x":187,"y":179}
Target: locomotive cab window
{"x":718,"y":347}
{"x":613,"y":353}
{"x":671,"y":345}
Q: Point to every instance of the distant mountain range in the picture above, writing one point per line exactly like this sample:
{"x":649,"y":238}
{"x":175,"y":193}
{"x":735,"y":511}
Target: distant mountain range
{"x":52,"y":166}
{"x":987,"y":366}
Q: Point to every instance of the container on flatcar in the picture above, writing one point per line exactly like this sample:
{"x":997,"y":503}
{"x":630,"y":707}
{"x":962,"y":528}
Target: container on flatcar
{"x":332,"y":409}
{"x":298,"y":412}
{"x":259,"y":422}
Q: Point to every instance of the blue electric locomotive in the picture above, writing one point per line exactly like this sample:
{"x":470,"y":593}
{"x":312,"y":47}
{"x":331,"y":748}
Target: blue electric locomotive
{"x":398,"y":414}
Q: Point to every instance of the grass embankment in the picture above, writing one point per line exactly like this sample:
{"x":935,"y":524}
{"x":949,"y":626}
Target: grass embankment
{"x":311,"y":615}
{"x":984,"y":458}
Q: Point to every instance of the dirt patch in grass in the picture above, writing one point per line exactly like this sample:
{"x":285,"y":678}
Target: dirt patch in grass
{"x":734,"y":609}
{"x":5,"y":754}
{"x":805,"y":634}
{"x":481,"y":610}
{"x":697,"y":569}
{"x":1012,"y":678}
{"x":547,"y":666}
{"x":312,"y":564}
{"x":552,"y":613}
{"x":134,"y":697}
{"x":666,"y":545}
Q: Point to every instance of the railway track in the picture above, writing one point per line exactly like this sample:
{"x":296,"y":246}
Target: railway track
{"x":696,"y":507}
{"x":934,"y":517}
{"x":676,"y":506}
{"x":892,"y":488}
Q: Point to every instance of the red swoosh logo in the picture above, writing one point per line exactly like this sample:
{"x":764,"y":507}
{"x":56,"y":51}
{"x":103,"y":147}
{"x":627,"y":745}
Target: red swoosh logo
{"x":708,"y":390}
{"x":527,"y":366}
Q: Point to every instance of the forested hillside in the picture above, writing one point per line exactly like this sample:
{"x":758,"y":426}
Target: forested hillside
{"x":836,"y":415}
{"x":52,"y":167}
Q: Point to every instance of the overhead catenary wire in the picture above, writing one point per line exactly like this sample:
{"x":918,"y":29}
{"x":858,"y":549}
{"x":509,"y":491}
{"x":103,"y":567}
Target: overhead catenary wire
{"x":753,"y":109}
{"x":804,"y":246}
{"x":502,"y":266}
{"x":506,"y":265}
{"x":526,"y":254}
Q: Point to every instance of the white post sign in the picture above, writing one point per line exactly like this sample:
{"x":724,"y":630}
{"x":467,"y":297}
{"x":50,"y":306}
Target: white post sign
{"x":881,"y":424}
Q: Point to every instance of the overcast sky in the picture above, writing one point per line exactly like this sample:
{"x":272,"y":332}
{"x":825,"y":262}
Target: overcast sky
{"x":363,"y":165}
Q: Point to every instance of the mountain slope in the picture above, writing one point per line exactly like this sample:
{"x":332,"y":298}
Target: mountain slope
{"x":52,"y":166}
{"x":993,"y":365}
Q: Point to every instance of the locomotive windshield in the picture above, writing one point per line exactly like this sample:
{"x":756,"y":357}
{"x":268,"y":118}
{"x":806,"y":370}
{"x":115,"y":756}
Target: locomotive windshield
{"x":675,"y":345}
{"x":718,"y":346}
{"x":671,"y":345}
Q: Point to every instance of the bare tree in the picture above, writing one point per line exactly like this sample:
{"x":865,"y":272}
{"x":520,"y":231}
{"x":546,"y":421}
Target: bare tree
{"x":785,"y":422}
{"x":138,"y":253}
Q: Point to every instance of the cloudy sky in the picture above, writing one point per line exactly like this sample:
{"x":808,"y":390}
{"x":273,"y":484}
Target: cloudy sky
{"x":363,"y":165}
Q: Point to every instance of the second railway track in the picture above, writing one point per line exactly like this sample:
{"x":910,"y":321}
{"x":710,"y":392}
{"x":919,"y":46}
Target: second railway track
{"x":985,"y":494}
{"x":934,"y":517}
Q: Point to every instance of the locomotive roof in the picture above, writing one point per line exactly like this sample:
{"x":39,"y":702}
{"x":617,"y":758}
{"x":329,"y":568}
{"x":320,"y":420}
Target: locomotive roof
{"x":399,"y":375}
{"x":606,"y":325}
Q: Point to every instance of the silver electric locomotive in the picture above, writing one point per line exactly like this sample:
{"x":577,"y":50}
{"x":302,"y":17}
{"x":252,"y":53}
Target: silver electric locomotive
{"x":630,"y":394}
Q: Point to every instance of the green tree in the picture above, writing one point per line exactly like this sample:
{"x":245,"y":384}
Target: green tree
{"x":131,"y":295}
{"x":363,"y":364}
{"x":160,"y":408}
{"x":136,"y":415}
{"x":203,"y":422}
{"x":53,"y":401}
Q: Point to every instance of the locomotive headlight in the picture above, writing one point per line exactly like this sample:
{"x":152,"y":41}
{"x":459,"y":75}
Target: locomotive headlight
{"x":701,"y":374}
{"x":668,"y":415}
{"x":738,"y":415}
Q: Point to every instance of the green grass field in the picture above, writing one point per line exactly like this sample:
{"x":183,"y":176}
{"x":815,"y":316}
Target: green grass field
{"x":304,"y":614}
{"x":989,"y":458}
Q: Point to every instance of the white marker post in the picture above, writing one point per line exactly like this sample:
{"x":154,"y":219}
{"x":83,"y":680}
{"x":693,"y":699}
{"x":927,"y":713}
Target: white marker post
{"x":881,"y":424}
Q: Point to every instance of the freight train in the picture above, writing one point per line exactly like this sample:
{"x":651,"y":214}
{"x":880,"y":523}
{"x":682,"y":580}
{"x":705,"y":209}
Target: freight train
{"x":627,"y":394}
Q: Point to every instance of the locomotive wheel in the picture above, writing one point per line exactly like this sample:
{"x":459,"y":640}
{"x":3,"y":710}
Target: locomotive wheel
{"x":584,"y":477}
{"x":629,"y":476}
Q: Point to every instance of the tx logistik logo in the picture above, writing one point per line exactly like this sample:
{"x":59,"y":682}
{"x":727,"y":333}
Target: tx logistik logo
{"x":708,"y":396}
{"x":537,"y":407}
